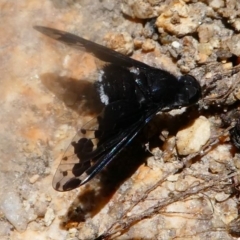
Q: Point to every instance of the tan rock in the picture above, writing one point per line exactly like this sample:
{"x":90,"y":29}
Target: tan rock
{"x":191,"y":139}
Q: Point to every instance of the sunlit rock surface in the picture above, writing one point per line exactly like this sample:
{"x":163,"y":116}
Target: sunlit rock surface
{"x":46,"y":95}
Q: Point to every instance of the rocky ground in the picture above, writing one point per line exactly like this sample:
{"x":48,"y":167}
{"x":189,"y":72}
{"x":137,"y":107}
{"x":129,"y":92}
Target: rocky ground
{"x":185,"y":187}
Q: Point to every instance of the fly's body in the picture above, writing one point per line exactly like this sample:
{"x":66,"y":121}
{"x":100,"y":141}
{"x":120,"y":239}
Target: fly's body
{"x":132,"y":92}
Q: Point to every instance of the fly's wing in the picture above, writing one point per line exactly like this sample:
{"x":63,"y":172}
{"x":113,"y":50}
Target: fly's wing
{"x":94,"y":147}
{"x":72,"y":163}
{"x":84,"y":158}
{"x":99,"y":51}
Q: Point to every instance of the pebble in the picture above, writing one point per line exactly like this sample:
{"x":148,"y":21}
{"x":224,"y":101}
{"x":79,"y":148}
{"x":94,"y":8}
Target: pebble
{"x":13,"y":210}
{"x":120,"y":42}
{"x":142,"y":9}
{"x":192,"y":138}
{"x":181,"y":185}
{"x":233,"y":44}
{"x":215,"y":4}
{"x":182,"y":19}
{"x":34,"y":178}
{"x":49,"y":217}
{"x":148,"y":45}
{"x":221,"y":196}
{"x":236,"y":24}
{"x":176,"y":44}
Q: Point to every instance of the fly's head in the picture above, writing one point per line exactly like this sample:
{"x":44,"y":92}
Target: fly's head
{"x":189,"y":91}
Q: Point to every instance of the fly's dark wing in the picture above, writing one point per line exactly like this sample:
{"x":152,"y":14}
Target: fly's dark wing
{"x":99,"y":51}
{"x":84,"y":158}
{"x":101,"y":140}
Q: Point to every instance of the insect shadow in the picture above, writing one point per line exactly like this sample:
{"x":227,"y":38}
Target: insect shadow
{"x":79,"y":95}
{"x":98,"y":193}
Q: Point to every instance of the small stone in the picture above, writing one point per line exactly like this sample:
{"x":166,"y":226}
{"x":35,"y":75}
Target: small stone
{"x":181,"y":185}
{"x":236,"y":24}
{"x":34,"y":178}
{"x":148,"y":45}
{"x":226,"y":210}
{"x":72,"y":233}
{"x":173,"y":178}
{"x":140,"y":8}
{"x":191,"y":139}
{"x":227,"y":66}
{"x":233,"y":44}
{"x":221,"y":154}
{"x":205,"y":50}
{"x":215,"y":4}
{"x":40,"y":208}
{"x":208,"y":75}
{"x":216,"y":167}
{"x":138,"y":43}
{"x":87,"y":232}
{"x":170,"y":186}
{"x":205,"y":33}
{"x":12,"y":208}
{"x":182,"y":19}
{"x":120,"y":42}
{"x":220,"y":197}
{"x":49,"y":217}
{"x":176,"y":44}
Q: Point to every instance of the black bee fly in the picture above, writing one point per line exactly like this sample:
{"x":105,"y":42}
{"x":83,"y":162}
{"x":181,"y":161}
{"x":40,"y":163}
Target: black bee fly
{"x":133,"y":92}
